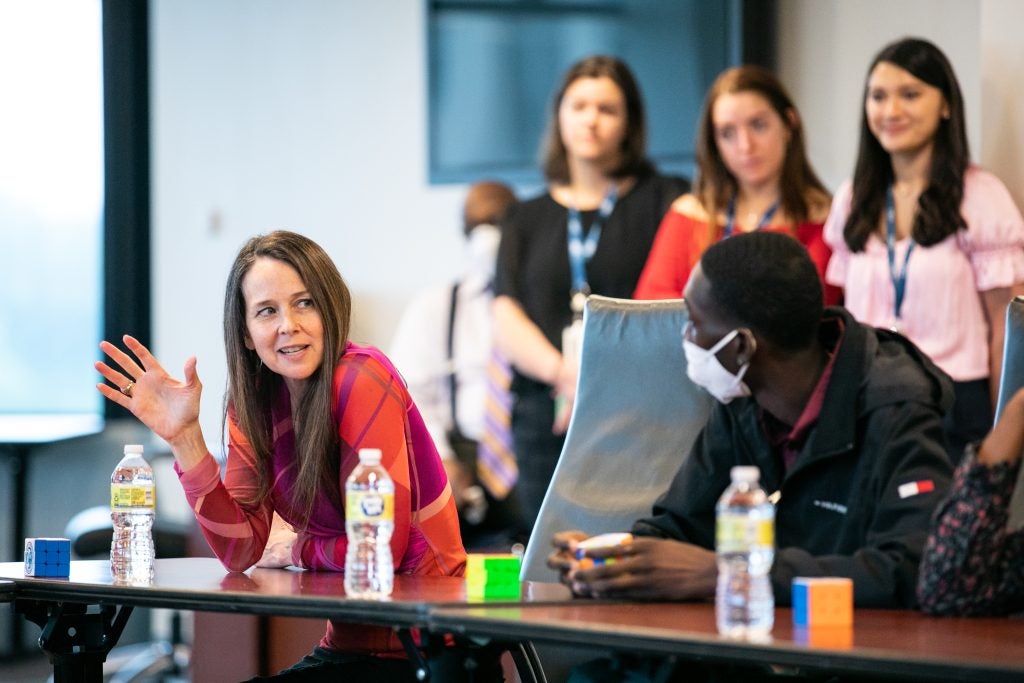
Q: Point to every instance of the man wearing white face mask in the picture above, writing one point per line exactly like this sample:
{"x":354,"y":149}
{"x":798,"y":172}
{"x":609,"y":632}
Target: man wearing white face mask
{"x":444,"y":342}
{"x":843,"y":420}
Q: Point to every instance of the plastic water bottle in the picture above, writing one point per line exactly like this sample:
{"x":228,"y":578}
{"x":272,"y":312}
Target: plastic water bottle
{"x":132,"y":509}
{"x":745,"y":547}
{"x":369,"y":522}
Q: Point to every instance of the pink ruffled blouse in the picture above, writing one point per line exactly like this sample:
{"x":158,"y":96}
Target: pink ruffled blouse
{"x":942,"y":310}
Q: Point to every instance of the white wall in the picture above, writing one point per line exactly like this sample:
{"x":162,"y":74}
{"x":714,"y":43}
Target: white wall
{"x":826,"y":46}
{"x":308,"y":115}
{"x":1002,"y":97}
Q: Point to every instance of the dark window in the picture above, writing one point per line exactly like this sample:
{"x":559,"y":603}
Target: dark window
{"x":74,"y":197}
{"x":51,"y":206}
{"x":494,"y":65}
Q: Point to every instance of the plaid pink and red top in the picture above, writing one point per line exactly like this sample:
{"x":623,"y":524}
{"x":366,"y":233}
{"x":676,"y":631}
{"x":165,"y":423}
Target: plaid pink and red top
{"x":373,"y":409}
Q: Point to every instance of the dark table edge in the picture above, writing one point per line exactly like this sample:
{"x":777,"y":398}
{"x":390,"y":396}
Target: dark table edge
{"x":711,"y":648}
{"x":383,"y":612}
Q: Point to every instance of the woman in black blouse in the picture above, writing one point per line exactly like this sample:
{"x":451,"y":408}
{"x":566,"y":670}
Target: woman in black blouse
{"x":603,"y":203}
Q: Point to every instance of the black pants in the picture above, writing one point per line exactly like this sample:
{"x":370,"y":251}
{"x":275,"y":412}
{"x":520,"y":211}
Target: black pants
{"x":537,"y":450}
{"x":970,"y":418}
{"x":500,"y":529}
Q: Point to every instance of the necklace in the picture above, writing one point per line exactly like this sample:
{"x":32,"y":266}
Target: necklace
{"x":730,"y":217}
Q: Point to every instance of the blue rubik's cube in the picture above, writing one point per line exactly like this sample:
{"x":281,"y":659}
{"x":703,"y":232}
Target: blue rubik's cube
{"x":47,"y":557}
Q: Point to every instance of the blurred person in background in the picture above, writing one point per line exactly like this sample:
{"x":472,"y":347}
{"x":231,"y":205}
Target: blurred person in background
{"x":589,"y":233}
{"x":443,"y":348}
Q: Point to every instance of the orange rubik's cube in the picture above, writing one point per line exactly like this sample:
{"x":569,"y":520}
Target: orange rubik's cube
{"x":822,"y":601}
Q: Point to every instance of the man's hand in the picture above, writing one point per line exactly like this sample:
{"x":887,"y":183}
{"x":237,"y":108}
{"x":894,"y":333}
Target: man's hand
{"x":563,"y":558}
{"x":647,"y":569}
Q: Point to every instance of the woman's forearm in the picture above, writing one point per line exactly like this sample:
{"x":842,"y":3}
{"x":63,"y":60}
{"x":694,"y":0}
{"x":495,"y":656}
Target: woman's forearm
{"x":523,"y":343}
{"x":189,"y":447}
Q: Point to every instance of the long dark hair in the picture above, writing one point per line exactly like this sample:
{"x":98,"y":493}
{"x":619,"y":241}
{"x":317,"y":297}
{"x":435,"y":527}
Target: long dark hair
{"x":716,"y":186}
{"x":252,"y":387}
{"x":633,"y":158}
{"x":938,"y":208}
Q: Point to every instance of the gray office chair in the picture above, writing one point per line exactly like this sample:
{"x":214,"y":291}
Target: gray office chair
{"x":1010,"y":381}
{"x":635,"y":417}
{"x":1012,"y":378}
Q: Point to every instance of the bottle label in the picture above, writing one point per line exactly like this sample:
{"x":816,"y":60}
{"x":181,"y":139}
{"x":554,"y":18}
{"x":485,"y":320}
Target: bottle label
{"x":129,"y":496}
{"x":737,"y":533}
{"x":369,"y":506}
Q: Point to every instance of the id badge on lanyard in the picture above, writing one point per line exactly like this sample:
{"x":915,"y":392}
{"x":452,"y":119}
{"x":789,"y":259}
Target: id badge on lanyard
{"x":897,"y":276}
{"x":572,"y":334}
{"x":580,"y":252}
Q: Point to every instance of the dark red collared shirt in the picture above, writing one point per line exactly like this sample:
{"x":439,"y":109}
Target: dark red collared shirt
{"x":787,"y":441}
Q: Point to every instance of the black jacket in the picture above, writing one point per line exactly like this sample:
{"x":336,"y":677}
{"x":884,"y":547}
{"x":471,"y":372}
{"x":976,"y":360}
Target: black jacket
{"x":841,"y":512}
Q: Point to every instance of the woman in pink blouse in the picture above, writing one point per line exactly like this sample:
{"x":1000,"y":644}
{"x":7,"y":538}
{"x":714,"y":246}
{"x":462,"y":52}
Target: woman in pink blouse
{"x":923,"y":242}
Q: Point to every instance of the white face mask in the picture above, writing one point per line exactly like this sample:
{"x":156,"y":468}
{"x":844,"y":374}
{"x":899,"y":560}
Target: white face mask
{"x":704,"y":370}
{"x":482,"y":251}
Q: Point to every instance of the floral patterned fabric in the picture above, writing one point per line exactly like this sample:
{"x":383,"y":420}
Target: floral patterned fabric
{"x":972,"y":565}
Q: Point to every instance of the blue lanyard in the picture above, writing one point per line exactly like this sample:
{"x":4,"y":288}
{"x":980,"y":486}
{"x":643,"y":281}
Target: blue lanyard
{"x":899,"y":279}
{"x":730,"y":217}
{"x":581,"y":250}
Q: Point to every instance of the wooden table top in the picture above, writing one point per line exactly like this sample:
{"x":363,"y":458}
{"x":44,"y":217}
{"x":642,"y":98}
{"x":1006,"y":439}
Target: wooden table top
{"x":203,"y":584}
{"x":895,"y":642}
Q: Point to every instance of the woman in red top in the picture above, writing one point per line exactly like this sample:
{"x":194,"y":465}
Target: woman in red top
{"x":752,"y":174}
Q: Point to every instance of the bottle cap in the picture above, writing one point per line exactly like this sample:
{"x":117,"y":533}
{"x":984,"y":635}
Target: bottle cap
{"x":369,"y":455}
{"x":745,"y":473}
{"x":133,"y":448}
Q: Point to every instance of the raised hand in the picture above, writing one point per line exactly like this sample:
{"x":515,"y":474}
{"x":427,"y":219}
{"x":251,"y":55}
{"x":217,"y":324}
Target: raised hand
{"x":168,"y":406}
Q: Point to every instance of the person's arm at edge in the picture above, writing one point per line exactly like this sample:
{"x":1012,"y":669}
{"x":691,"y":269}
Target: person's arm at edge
{"x":971,"y":523}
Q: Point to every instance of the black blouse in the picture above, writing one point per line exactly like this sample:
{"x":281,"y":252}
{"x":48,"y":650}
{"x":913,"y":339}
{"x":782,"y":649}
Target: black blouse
{"x":533,"y":260}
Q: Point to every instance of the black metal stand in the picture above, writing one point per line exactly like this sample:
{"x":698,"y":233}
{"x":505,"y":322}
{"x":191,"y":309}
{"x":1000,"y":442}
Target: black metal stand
{"x":75,"y":639}
{"x":419,"y":664}
{"x":474,"y":661}
{"x":17,"y":461}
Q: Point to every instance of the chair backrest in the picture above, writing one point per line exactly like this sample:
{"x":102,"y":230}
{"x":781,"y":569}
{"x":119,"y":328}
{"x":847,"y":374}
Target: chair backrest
{"x":1010,"y":381}
{"x":1012,"y":377}
{"x":635,"y":417}
{"x":91,"y":530}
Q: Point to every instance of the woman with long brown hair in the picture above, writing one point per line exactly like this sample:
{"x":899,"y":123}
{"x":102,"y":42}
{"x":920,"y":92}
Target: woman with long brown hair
{"x":752,"y":174}
{"x":590,"y":232}
{"x":302,"y":400}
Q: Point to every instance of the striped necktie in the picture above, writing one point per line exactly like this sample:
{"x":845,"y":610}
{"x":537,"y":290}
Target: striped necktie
{"x":496,"y":462}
